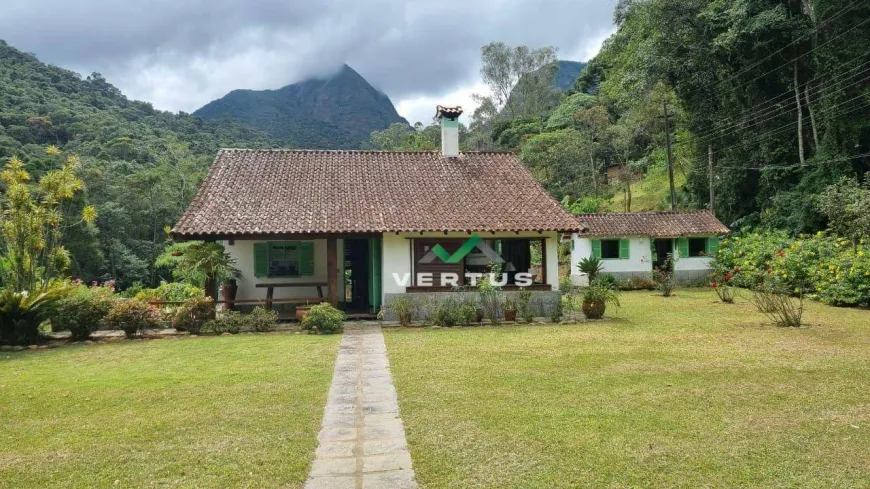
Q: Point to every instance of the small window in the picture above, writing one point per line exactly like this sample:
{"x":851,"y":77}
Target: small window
{"x":610,"y":248}
{"x":697,"y":246}
{"x":283,"y":260}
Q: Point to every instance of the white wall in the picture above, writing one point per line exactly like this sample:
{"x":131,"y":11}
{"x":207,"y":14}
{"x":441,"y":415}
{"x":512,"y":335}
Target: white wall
{"x":693,"y":263}
{"x":243,"y":252}
{"x":639,"y":255}
{"x":397,"y":254}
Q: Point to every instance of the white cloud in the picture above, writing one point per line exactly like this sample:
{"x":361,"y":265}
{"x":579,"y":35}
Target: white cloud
{"x":422,"y":108}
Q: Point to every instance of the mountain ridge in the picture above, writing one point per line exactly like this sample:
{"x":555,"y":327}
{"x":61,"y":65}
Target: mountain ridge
{"x":334,"y":112}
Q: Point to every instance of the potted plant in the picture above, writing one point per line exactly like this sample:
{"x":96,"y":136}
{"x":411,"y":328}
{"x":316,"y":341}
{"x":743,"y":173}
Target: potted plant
{"x":229,"y":290}
{"x":510,"y":310}
{"x":596,"y":297}
{"x":203,"y":264}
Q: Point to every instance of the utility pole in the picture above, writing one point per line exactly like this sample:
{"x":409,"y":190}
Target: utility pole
{"x":670,"y":157}
{"x":710,"y":174}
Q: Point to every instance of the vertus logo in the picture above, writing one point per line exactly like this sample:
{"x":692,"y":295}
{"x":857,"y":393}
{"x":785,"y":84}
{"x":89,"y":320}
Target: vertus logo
{"x":437,"y":252}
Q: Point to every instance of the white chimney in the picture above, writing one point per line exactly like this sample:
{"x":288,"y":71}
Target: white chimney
{"x":449,"y":119}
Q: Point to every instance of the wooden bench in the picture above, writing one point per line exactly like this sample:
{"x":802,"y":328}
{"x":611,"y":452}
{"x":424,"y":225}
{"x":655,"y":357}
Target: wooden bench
{"x":270,"y":292}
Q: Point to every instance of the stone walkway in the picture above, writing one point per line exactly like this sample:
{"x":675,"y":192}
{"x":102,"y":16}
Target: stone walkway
{"x":362,"y":439}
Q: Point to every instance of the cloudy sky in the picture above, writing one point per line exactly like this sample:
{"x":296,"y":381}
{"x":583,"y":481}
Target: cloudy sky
{"x":180,"y":54}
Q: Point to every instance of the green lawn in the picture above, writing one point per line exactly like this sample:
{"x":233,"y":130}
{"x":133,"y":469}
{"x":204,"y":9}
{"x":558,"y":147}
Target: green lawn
{"x":240,"y":411}
{"x":677,"y":392}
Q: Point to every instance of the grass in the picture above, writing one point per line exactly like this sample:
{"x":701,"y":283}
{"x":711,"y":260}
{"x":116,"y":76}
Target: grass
{"x":240,"y":411}
{"x":675,"y":392}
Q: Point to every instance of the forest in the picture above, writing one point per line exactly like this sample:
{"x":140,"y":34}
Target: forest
{"x":770,"y":95}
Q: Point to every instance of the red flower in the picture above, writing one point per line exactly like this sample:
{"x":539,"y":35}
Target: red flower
{"x":780,"y":253}
{"x":769,"y":271}
{"x":736,"y":269}
{"x":727,"y":276}
{"x":714,"y":285}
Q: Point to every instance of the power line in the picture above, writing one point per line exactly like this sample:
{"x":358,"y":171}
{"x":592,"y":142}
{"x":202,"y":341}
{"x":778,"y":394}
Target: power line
{"x":811,"y":31}
{"x":796,"y":165}
{"x":773,"y":106}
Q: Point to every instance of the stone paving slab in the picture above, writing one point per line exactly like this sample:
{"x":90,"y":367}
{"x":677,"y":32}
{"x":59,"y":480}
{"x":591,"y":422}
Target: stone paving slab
{"x":362,"y":437}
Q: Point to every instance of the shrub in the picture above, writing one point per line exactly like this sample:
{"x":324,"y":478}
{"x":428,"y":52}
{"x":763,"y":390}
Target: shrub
{"x":778,"y":305}
{"x":21,"y":313}
{"x":637,"y":283}
{"x":524,"y":307}
{"x":591,"y":266}
{"x":323,"y":318}
{"x":193,"y":314}
{"x":467,"y":313}
{"x":132,"y":316}
{"x":490,"y":301}
{"x":261,"y":320}
{"x":170,"y":291}
{"x":721,"y":284}
{"x":664,"y":277}
{"x":403,"y":308}
{"x":556,"y":311}
{"x":226,"y":322}
{"x":82,"y":311}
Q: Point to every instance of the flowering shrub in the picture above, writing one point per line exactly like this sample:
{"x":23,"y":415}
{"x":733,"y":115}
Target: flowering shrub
{"x":82,"y":310}
{"x":132,"y":316}
{"x":722,"y":286}
{"x":833,"y":270}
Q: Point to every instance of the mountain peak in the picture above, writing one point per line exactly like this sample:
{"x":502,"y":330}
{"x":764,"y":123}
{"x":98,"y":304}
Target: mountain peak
{"x":337,"y":111}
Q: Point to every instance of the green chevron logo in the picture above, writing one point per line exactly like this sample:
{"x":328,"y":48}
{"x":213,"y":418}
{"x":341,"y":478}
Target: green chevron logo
{"x":470,"y":244}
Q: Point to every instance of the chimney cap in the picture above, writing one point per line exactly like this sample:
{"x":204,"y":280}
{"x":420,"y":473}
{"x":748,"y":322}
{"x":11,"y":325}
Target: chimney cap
{"x":451,"y":113}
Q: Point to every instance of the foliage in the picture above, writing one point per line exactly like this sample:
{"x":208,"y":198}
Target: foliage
{"x":601,"y":293}
{"x":132,"y":316}
{"x":467,"y":312}
{"x":509,"y":304}
{"x":170,"y":291}
{"x":403,"y":309}
{"x":262,"y":320}
{"x":448,"y":313}
{"x":31,"y":249}
{"x":833,"y":270}
{"x":402,"y":137}
{"x":490,"y":299}
{"x":82,"y":310}
{"x":722,"y":285}
{"x":775,"y":300}
{"x":231,"y":322}
{"x":561,"y":161}
{"x":562,"y":116}
{"x":21,"y":313}
{"x":637,"y":283}
{"x":591,"y":266}
{"x":664,"y":277}
{"x":199,"y":263}
{"x":524,"y":309}
{"x":557,"y":310}
{"x":141,"y":166}
{"x":324,"y":319}
{"x":846,"y":206}
{"x":584,"y":205}
{"x":193,"y":314}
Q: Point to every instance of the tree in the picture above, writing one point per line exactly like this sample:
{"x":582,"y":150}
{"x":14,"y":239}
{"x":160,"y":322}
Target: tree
{"x":32,"y":224}
{"x":846,"y":205}
{"x":520,"y":81}
{"x":559,"y":160}
{"x":199,"y":263}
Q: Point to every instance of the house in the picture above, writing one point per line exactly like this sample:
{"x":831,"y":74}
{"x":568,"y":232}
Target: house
{"x":634,"y":243}
{"x":363,"y":227}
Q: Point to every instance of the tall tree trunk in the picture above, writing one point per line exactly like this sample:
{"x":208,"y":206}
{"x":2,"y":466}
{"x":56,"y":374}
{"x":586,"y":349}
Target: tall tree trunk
{"x":800,"y":116}
{"x":812,"y":118}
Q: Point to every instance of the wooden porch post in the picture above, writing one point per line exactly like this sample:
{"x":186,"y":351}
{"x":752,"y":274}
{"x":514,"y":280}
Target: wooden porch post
{"x":332,"y":270}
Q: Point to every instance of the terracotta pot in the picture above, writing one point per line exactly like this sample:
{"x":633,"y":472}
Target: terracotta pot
{"x":594,"y":310}
{"x":228,"y":294}
{"x":301,"y":311}
{"x":510,"y":315}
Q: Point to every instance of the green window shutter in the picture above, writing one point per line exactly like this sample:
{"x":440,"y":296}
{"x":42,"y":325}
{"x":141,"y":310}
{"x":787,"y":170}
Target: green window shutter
{"x":683,"y":247}
{"x":712,"y":246}
{"x":596,"y":248}
{"x":624,"y":246}
{"x":261,"y":260}
{"x":305,"y":254}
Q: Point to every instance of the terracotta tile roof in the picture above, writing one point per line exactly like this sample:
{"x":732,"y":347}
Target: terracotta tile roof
{"x":655,"y":224}
{"x":315,"y":191}
{"x":448,"y":112}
